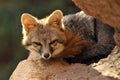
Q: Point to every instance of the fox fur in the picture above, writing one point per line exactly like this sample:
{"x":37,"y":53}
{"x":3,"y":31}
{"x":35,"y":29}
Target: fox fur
{"x":65,"y":37}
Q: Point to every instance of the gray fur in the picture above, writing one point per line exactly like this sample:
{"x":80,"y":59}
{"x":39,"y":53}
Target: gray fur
{"x":80,"y":23}
{"x":95,"y":31}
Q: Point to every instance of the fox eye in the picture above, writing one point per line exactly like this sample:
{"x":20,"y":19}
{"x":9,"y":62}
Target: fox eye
{"x":37,"y":44}
{"x":54,"y":43}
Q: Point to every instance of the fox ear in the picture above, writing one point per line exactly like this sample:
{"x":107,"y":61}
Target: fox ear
{"x":55,"y":19}
{"x":28,"y":22}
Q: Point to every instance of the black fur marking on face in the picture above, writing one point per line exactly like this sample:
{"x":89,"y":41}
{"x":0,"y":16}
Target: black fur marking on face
{"x":51,"y":49}
{"x":37,"y":43}
{"x":52,"y":45}
{"x":54,"y":42}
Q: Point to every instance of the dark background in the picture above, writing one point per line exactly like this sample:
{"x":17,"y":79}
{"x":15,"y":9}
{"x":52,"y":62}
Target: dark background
{"x":11,"y":50}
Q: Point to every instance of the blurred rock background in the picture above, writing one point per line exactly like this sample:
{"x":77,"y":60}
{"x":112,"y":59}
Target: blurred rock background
{"x":11,"y":50}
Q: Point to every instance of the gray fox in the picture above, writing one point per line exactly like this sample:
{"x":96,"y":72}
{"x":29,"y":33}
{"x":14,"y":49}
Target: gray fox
{"x":76,"y":37}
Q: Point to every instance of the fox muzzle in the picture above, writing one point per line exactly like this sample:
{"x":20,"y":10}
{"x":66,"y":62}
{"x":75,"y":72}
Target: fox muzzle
{"x":46,"y":56}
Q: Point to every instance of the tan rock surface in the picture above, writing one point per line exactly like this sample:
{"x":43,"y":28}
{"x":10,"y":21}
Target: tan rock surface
{"x":110,"y":66}
{"x":55,"y":70}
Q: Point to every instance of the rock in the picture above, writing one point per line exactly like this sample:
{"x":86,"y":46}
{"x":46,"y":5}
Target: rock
{"x":55,"y":70}
{"x":110,"y":66}
{"x":107,"y":11}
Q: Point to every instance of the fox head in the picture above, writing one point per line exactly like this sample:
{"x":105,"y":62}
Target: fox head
{"x":45,"y":37}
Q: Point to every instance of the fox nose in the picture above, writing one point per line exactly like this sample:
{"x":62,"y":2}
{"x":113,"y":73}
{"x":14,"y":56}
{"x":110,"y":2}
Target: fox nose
{"x":46,"y":55}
